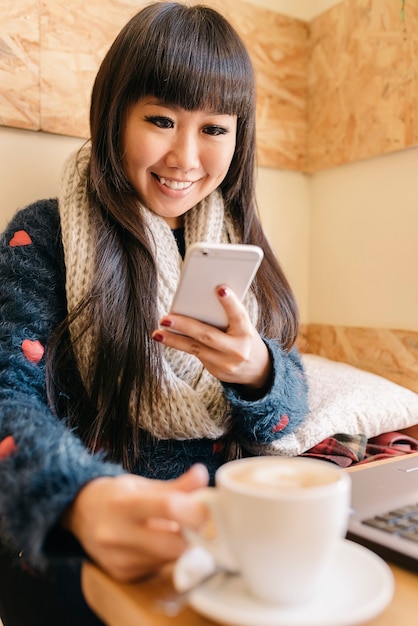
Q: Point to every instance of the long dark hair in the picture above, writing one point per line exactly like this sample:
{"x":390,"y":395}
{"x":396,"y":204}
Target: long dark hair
{"x":193,"y":58}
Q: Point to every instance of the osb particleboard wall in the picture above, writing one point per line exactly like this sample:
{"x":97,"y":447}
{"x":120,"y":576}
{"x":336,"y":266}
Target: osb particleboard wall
{"x":363,"y":81}
{"x":337,"y":90}
{"x":390,"y":353}
{"x":50,"y":51}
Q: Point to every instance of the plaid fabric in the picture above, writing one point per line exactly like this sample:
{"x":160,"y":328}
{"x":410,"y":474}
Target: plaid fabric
{"x":345,"y":450}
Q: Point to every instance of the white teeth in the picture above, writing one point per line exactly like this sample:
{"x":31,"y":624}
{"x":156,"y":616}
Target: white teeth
{"x":174,"y":184}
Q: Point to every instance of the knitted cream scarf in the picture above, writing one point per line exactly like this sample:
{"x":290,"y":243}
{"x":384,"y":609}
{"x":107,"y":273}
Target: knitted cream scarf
{"x":193,"y":404}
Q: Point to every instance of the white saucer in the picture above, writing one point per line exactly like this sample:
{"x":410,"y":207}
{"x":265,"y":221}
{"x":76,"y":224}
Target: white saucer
{"x":358,"y":586}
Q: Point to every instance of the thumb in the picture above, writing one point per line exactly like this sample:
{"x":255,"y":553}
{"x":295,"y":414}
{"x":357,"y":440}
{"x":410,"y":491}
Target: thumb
{"x":195,"y":478}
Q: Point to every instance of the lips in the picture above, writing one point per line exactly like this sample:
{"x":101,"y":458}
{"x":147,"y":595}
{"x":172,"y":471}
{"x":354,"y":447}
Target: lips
{"x":177,"y":185}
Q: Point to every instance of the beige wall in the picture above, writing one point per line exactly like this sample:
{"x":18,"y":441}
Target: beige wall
{"x":364,"y":243}
{"x":284,"y":201}
{"x":30,"y":167}
{"x":348,"y":239}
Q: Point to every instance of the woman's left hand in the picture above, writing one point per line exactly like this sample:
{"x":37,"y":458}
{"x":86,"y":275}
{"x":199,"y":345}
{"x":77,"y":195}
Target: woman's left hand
{"x":237,"y":355}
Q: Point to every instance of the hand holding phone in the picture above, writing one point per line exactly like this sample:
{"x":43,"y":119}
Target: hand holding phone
{"x":207,"y":265}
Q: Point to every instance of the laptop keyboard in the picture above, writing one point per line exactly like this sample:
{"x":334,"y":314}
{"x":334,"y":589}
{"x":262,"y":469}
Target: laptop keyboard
{"x":402,"y":522}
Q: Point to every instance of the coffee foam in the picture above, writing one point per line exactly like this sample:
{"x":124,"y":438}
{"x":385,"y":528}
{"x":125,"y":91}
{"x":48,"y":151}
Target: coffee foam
{"x":280,"y":476}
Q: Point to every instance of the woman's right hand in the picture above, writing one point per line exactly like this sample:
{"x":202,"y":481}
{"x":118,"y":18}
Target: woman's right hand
{"x":130,"y":525}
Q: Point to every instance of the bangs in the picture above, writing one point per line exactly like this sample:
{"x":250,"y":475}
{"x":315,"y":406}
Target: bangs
{"x":195,"y":61}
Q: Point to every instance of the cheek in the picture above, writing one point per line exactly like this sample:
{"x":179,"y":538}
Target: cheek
{"x":135,"y":151}
{"x":135,"y":162}
{"x":220,"y":159}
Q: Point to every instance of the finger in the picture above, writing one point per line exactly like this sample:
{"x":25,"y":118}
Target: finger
{"x":158,"y":544}
{"x":184,"y":509}
{"x":195,"y":478}
{"x":171,"y":504}
{"x":177,"y":330}
{"x":150,"y":550}
{"x":235,"y":310}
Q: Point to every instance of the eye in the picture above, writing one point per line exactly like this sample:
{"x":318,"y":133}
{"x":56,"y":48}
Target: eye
{"x":160,"y":121}
{"x":215,"y":130}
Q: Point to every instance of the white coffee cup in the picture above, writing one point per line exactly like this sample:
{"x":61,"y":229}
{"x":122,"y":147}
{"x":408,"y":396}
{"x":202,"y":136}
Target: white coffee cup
{"x":277,"y":522}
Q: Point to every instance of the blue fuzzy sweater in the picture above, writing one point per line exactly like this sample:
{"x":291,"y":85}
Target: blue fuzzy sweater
{"x":43,"y":464}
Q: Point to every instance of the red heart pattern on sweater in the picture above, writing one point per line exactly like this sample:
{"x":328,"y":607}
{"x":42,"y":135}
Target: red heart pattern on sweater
{"x":33,"y":350}
{"x":7,"y":447}
{"x":282,"y":423}
{"x":20,"y":238}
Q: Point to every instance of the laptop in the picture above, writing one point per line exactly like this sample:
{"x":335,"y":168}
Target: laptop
{"x":385,"y":509}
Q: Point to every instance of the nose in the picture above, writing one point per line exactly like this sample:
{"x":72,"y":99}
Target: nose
{"x":183,"y":153}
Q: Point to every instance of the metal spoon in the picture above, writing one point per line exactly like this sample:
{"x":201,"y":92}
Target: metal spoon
{"x":172,"y":603}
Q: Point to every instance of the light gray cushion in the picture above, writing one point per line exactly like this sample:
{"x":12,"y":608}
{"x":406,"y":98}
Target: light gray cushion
{"x":346,"y":399}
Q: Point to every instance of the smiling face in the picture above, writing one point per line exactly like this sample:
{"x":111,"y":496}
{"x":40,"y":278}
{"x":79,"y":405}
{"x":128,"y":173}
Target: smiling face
{"x":173,"y":157}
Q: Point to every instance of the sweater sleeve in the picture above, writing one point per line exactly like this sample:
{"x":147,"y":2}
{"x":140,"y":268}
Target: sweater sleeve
{"x":283,"y":408}
{"x":43,"y":464}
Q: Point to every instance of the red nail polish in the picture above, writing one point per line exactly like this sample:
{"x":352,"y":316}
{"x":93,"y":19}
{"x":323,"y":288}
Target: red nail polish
{"x":166,"y":322}
{"x":222,"y":292}
{"x":158,"y":337}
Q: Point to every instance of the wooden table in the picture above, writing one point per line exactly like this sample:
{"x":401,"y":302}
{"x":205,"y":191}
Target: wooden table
{"x":136,"y":604}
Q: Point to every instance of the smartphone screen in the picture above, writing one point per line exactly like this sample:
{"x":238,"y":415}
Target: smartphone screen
{"x":205,"y":267}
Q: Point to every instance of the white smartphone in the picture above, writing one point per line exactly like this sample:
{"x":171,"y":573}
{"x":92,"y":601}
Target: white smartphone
{"x":207,"y":265}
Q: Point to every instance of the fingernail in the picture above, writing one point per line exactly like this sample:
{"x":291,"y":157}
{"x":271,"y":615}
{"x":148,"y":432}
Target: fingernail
{"x":222,"y":292}
{"x":158,"y":337}
{"x":166,"y":322}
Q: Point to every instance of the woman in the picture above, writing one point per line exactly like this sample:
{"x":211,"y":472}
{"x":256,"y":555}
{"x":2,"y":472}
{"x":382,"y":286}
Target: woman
{"x":98,"y":397}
